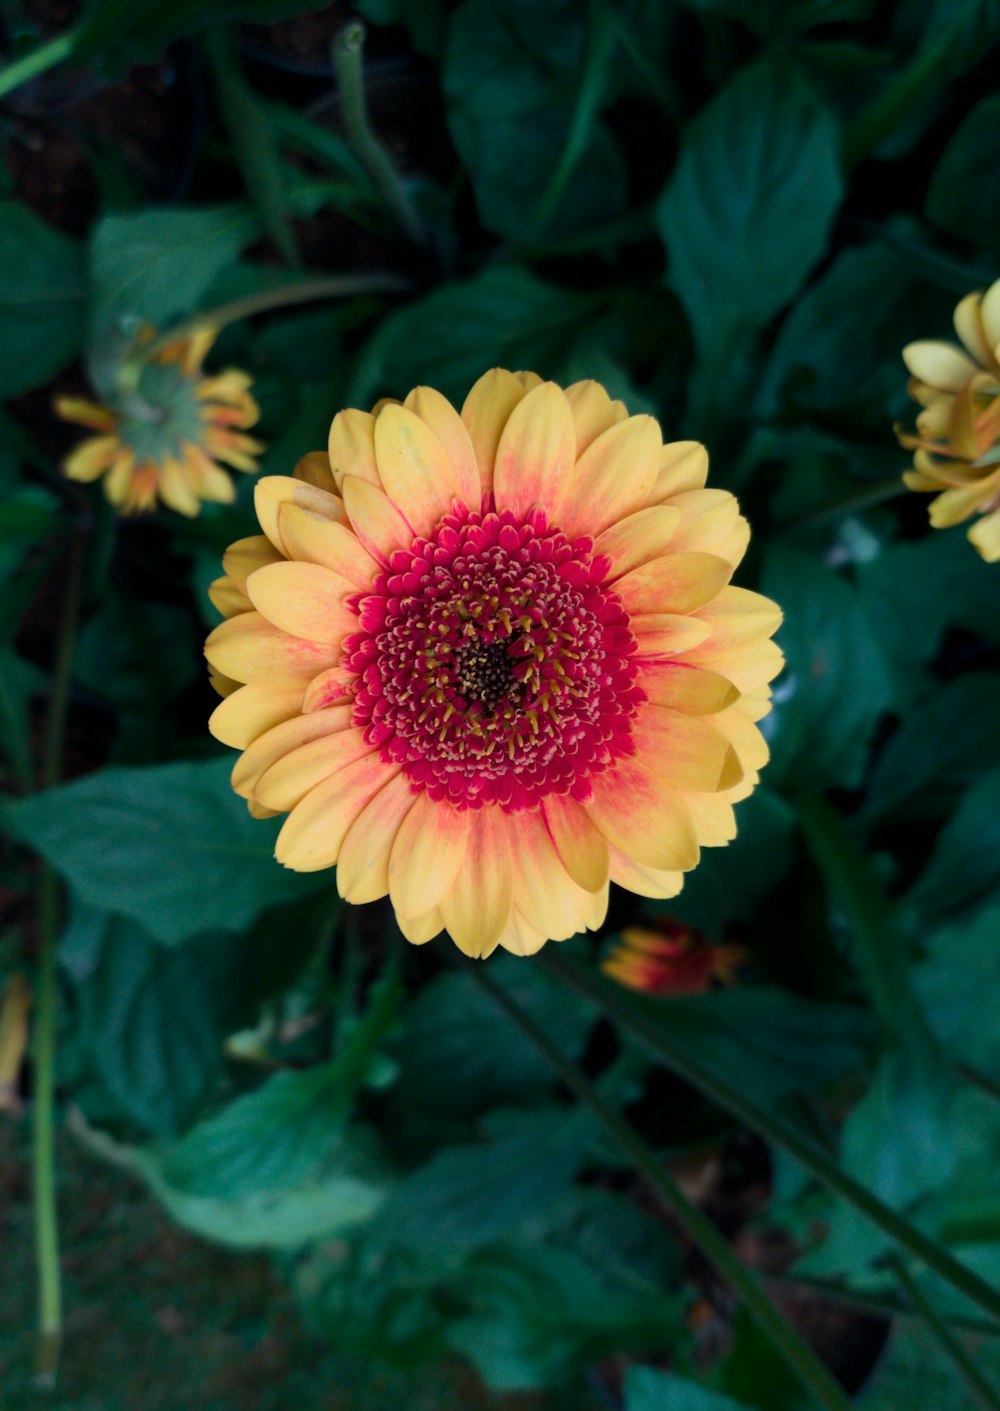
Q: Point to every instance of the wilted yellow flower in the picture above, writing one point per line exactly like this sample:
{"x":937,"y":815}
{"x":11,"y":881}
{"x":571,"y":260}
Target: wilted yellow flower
{"x":957,"y":441}
{"x":670,"y":960}
{"x":166,"y":440}
{"x":489,"y":662}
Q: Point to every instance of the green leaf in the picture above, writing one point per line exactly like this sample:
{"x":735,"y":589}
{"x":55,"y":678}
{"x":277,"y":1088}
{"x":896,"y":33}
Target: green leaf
{"x":177,"y":852}
{"x":964,"y":867}
{"x":913,"y":1373}
{"x":963,"y":197}
{"x":281,"y":1135}
{"x":940,"y":749}
{"x":835,"y":686}
{"x":649,"y":1390}
{"x":119,"y":32}
{"x":510,"y":78}
{"x":747,"y":211}
{"x":19,"y":681}
{"x":503,"y":317}
{"x":958,"y":984}
{"x":42,"y":300}
{"x":425,"y":20}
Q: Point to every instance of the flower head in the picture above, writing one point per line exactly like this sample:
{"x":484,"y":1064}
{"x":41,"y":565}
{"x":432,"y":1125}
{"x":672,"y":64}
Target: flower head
{"x":671,"y":960}
{"x":957,"y":440}
{"x":166,"y":440}
{"x":489,"y":662}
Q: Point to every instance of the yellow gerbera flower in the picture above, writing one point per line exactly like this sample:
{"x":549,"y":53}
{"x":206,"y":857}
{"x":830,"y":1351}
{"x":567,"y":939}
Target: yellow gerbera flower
{"x":166,"y":440}
{"x":957,"y":441}
{"x":490,"y":662}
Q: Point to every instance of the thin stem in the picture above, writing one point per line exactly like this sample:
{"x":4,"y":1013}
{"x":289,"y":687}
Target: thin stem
{"x":877,"y":493}
{"x":979,"y":1389}
{"x":347,"y":51}
{"x":334,"y":287}
{"x":45,"y":57}
{"x":889,"y":109}
{"x":655,"y":1038}
{"x":695,"y":1223}
{"x":44,"y":1052}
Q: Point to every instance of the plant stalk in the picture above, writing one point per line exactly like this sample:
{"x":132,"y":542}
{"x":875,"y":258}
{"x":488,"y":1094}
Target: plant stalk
{"x":984,"y":1396}
{"x":695,"y":1223}
{"x":39,"y":61}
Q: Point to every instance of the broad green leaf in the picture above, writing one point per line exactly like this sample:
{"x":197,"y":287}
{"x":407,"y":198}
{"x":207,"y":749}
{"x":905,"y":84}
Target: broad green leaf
{"x":503,"y":317}
{"x":958,"y":985}
{"x":913,"y":1374}
{"x":511,"y":77}
{"x":835,"y":686}
{"x":281,"y":1135}
{"x":964,"y":867}
{"x":963,"y":197}
{"x":940,"y":748}
{"x":747,"y":210}
{"x":649,"y":1390}
{"x":170,"y":846}
{"x":43,"y":288}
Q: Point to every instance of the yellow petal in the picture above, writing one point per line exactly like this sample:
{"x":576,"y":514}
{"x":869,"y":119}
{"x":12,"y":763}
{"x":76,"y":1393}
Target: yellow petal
{"x":744,"y":736}
{"x":418,"y":930}
{"x":956,"y":505}
{"x":581,"y":845}
{"x":747,"y":664}
{"x":427,"y":853}
{"x":249,"y":648}
{"x":547,"y":897}
{"x":92,"y":457}
{"x":273,"y":491}
{"x":282,"y":740}
{"x":643,"y":816}
{"x":637,"y":538}
{"x":985,"y":536}
{"x":84,"y":413}
{"x":176,"y":489}
{"x":711,"y":524}
{"x":450,"y":430}
{"x":664,"y":634}
{"x":485,"y":413}
{"x":645,"y":881}
{"x":416,"y":471}
{"x":674,"y":583}
{"x":253,"y":710}
{"x":940,"y":365}
{"x":687,"y":688}
{"x":520,"y":937}
{"x":683,"y":466}
{"x":593,"y":412}
{"x":375,"y":519}
{"x":969,"y":327}
{"x":314,"y":469}
{"x":246,"y":556}
{"x":713,"y":818}
{"x":478,"y":905}
{"x":613,"y":477}
{"x":304,"y":599}
{"x":352,"y":446}
{"x":312,"y":538}
{"x":686,"y":750}
{"x":312,"y":834}
{"x":989,"y":313}
{"x":290,"y":778}
{"x":224,"y":595}
{"x":363,"y":864}
{"x":737,"y":614}
{"x":331,"y":687}
{"x":536,"y":452}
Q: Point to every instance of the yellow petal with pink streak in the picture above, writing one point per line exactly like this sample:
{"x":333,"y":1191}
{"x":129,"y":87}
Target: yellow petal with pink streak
{"x":478,"y":905}
{"x":449,"y":428}
{"x":92,"y":457}
{"x":536,"y":452}
{"x":311,"y":538}
{"x":674,"y":583}
{"x":711,"y":524}
{"x":593,"y":412}
{"x":313,"y":832}
{"x":332,"y":687}
{"x":747,"y":664}
{"x":363,"y":864}
{"x":304,"y":599}
{"x":644,"y":881}
{"x":547,"y":896}
{"x":253,"y":710}
{"x":375,"y":519}
{"x":486,"y":411}
{"x":245,"y":556}
{"x":290,"y":778}
{"x":637,"y":538}
{"x":427,"y":853}
{"x":683,"y":466}
{"x":612,"y":479}
{"x":314,"y":468}
{"x":418,"y":930}
{"x":273,"y":491}
{"x":282,"y":740}
{"x":249,"y":648}
{"x":690,"y":753}
{"x":352,"y":447}
{"x":643,"y":816}
{"x":664,"y":634}
{"x":738,"y":615}
{"x":743,"y":735}
{"x":939,"y":365}
{"x":687,"y":688}
{"x":580,"y":844}
{"x":416,"y":471}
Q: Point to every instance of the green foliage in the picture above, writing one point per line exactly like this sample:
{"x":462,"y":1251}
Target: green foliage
{"x":962,"y":198}
{"x":42,"y":291}
{"x":648,"y":1390}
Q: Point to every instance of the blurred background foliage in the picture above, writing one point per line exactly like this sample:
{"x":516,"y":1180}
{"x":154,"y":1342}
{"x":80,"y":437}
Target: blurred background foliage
{"x":734,"y":216}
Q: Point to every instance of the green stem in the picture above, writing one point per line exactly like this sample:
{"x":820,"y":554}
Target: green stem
{"x":334,"y":287}
{"x":347,"y":55}
{"x":878,"y":493}
{"x":654,"y":1037}
{"x":875,"y":124}
{"x":39,"y":61}
{"x":695,"y":1223}
{"x":44,"y":1051}
{"x":979,"y":1389}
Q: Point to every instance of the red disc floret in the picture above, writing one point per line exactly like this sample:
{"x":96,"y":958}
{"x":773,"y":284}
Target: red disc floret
{"x":493,"y":664}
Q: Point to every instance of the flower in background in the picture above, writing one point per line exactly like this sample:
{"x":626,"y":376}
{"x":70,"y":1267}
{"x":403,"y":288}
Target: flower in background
{"x":488,"y":663}
{"x":957,"y":440}
{"x":165,"y":443}
{"x":670,"y":960}
{"x":15,"y":1006}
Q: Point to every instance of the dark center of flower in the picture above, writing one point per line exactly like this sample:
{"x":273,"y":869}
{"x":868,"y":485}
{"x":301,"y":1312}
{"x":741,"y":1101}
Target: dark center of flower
{"x":493,"y":664}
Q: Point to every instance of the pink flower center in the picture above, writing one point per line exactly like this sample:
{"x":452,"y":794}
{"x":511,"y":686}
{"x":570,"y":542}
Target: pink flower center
{"x":492,"y":663}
